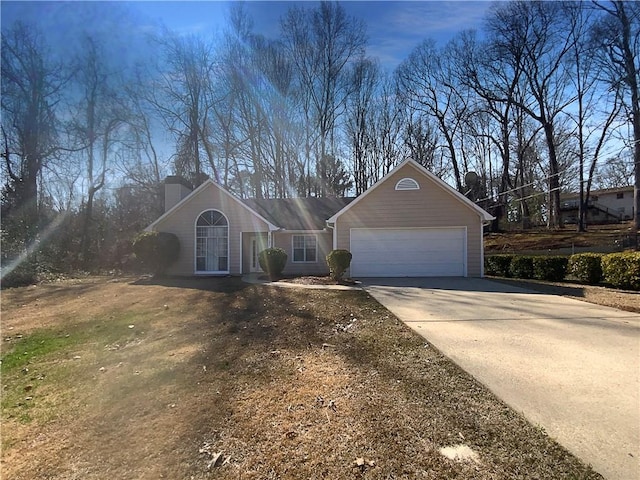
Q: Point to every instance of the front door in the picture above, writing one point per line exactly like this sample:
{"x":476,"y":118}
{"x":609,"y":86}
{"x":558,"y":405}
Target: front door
{"x":255,"y":250}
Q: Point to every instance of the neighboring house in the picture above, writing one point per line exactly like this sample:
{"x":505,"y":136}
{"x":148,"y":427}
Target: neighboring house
{"x":410,"y":223}
{"x":610,"y":205}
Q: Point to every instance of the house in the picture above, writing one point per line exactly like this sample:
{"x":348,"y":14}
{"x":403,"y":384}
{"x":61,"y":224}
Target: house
{"x":610,"y":205}
{"x":410,"y":223}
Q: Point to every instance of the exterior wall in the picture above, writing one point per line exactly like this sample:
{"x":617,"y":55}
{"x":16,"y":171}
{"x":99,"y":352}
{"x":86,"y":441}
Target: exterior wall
{"x":182,"y":223}
{"x":619,"y":206}
{"x":431,"y":206}
{"x":284,"y":240}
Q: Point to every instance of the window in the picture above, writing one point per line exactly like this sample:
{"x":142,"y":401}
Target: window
{"x":407,"y":184}
{"x":212,"y":242}
{"x":620,"y":195}
{"x":305,"y":248}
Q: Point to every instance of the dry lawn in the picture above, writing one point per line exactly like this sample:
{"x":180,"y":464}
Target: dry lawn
{"x":213,"y":378}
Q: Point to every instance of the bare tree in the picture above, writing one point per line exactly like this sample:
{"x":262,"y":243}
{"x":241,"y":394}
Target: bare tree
{"x":597,"y":108}
{"x":387,"y":129}
{"x":617,"y":35}
{"x":183,"y":98}
{"x":534,"y":38}
{"x":32,"y":87}
{"x":321,"y":43}
{"x":360,"y":122}
{"x":100,"y":114}
{"x":426,"y":83}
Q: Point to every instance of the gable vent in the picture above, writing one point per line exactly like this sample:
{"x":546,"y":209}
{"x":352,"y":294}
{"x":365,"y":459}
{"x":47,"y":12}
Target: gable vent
{"x":407,"y":184}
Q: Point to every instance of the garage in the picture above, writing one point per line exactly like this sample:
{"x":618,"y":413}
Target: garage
{"x":408,"y":252}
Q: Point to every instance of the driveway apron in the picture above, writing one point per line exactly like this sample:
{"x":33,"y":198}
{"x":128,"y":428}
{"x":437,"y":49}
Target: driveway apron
{"x":571,"y":367}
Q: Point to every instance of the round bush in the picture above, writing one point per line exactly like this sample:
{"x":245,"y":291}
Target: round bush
{"x":586,"y":267}
{"x":338,"y":262}
{"x":156,"y":250}
{"x":272,"y":261}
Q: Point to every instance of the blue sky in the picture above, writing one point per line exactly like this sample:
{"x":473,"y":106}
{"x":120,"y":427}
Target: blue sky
{"x":394,"y":28}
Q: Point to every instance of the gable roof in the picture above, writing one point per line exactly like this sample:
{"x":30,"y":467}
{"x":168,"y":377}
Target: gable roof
{"x":298,"y":213}
{"x":197,"y":191}
{"x":486,"y":216}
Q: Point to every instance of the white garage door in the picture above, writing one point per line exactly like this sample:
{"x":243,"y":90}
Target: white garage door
{"x":420,"y":252}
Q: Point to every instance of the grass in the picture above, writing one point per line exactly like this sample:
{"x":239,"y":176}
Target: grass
{"x":283,"y":383}
{"x":37,"y":344}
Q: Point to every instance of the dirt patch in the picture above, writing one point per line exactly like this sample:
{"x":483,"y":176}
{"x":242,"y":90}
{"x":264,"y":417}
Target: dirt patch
{"x":599,"y":238}
{"x":205,"y":378}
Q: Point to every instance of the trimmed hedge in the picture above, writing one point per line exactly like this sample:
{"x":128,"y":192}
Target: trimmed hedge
{"x":622,"y":270}
{"x":272,"y":261}
{"x":551,"y":268}
{"x":521,"y":267}
{"x":156,"y":250}
{"x":338,"y":261}
{"x":586,"y":267}
{"x":498,"y":265}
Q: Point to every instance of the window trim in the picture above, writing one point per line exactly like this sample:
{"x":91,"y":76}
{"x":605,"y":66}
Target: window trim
{"x":293,"y":248}
{"x":195,"y":245}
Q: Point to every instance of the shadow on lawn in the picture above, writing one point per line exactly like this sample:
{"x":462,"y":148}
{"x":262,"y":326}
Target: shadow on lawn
{"x":227,"y":284}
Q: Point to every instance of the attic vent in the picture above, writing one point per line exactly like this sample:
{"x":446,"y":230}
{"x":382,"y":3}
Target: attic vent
{"x":407,"y":184}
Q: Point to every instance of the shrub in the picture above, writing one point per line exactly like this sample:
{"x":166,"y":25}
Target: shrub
{"x":521,"y":267}
{"x":23,"y":274}
{"x":551,"y":268}
{"x":156,"y":250}
{"x":586,"y":267}
{"x":338,"y":262}
{"x":498,"y":265}
{"x":622,"y":270}
{"x":272,"y":261}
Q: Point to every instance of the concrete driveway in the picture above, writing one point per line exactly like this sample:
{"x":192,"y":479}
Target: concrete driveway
{"x":570,"y":367}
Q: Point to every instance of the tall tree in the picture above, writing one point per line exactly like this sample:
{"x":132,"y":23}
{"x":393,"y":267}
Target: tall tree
{"x":360,"y":122}
{"x":32,"y":87}
{"x":617,"y":35}
{"x":183,"y":97}
{"x":426,"y":84}
{"x":596,"y":108}
{"x":534,"y":39}
{"x":321,"y":43}
{"x":100,"y":114}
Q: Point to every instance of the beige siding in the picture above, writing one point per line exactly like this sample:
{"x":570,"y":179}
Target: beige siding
{"x":284,"y":240}
{"x":431,"y":206}
{"x":182,"y":221}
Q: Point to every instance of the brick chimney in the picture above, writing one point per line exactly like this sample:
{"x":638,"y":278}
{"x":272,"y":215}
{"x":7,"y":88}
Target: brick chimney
{"x":175,"y":189}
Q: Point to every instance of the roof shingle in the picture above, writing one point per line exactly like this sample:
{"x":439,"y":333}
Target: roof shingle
{"x":298,"y":213}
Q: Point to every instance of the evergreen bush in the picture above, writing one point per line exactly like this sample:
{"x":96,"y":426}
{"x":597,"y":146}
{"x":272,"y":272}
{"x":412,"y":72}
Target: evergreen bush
{"x":338,"y":262}
{"x":156,"y":250}
{"x":586,"y":267}
{"x":622,"y":270}
{"x":272,"y":261}
{"x":498,"y":265}
{"x":521,"y":267}
{"x":551,"y":268}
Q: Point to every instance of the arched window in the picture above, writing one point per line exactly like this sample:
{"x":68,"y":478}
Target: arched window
{"x":407,"y":184}
{"x":212,"y":243}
